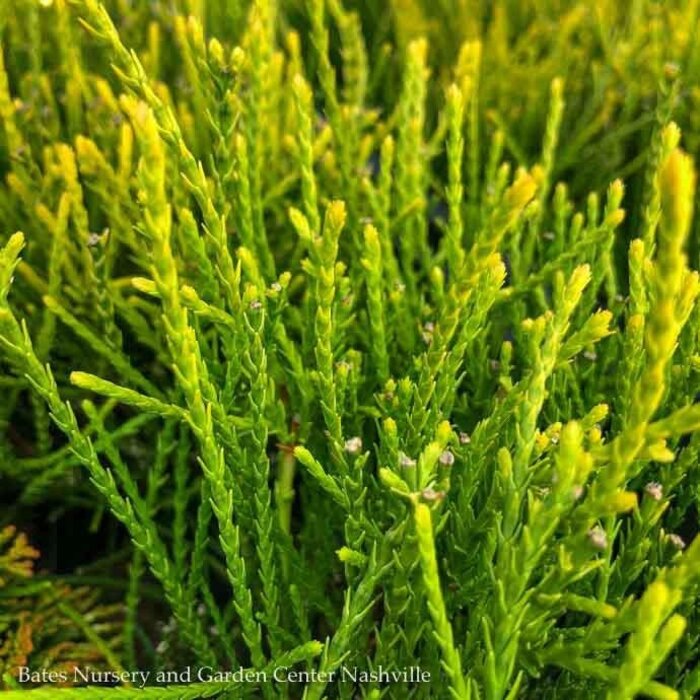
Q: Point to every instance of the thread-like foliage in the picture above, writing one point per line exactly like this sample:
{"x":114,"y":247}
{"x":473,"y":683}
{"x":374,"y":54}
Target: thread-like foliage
{"x":360,"y":340}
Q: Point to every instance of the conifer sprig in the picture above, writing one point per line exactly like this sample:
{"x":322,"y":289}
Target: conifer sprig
{"x":339,"y":312}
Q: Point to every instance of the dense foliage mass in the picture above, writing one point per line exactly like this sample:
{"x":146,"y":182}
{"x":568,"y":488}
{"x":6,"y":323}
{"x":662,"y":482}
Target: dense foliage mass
{"x":332,"y":341}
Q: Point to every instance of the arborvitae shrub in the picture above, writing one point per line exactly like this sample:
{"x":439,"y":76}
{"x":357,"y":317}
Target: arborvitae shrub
{"x":311,"y":329}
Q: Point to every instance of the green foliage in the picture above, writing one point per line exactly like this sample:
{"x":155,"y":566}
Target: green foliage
{"x":316,"y":313}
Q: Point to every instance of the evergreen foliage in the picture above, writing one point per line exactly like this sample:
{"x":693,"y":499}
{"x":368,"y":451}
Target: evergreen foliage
{"x":336,"y":323}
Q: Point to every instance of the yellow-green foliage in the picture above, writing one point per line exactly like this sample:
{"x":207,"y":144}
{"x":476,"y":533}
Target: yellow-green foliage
{"x":47,"y":624}
{"x":357,"y":336}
